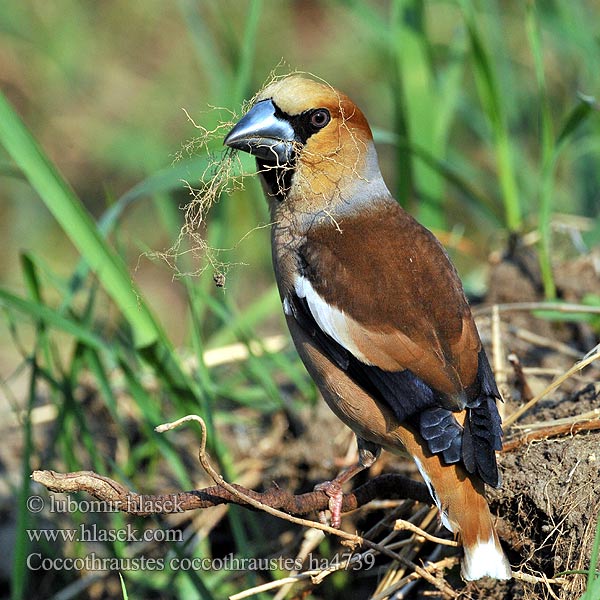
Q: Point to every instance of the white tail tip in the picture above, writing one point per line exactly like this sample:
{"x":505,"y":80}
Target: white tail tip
{"x":485,"y":559}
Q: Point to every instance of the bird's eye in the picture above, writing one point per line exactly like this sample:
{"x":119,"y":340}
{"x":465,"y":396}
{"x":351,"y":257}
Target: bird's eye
{"x":320,"y":118}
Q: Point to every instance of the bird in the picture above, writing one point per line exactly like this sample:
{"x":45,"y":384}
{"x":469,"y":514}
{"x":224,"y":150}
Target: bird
{"x":376,"y":309}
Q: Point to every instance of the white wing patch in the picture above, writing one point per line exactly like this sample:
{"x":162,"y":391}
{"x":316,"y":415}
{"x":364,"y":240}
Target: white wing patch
{"x":330,"y":319}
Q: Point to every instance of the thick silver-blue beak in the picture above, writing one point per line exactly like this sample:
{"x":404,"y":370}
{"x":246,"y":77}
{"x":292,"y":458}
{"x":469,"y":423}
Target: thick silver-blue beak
{"x":263,"y":134}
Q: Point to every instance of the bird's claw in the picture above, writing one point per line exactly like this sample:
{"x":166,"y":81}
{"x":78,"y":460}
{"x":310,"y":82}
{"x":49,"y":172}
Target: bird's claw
{"x":333,"y":489}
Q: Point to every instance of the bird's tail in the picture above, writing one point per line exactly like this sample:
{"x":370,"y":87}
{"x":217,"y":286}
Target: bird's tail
{"x":463,"y":508}
{"x":483,"y":554}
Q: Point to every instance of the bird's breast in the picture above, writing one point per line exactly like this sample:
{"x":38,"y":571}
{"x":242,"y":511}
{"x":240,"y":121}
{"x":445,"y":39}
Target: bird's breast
{"x":285,"y":244}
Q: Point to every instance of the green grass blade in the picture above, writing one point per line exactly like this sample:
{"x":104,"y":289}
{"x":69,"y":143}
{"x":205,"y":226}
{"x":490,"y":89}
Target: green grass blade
{"x":426,"y":126}
{"x":451,"y":87}
{"x":579,"y":114}
{"x":76,"y":222}
{"x":593,"y":582}
{"x":262,"y":308}
{"x":576,"y":117}
{"x":96,"y":367}
{"x":20,"y":572}
{"x":491,"y":99}
{"x":247,"y":51}
{"x":214,"y":68}
{"x":31,"y":278}
{"x":404,"y":163}
{"x":123,"y":587}
{"x":547,"y":157}
{"x":53,"y":319}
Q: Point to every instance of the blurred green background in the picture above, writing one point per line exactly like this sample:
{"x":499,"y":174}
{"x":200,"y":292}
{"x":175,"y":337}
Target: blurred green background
{"x":486,"y":123}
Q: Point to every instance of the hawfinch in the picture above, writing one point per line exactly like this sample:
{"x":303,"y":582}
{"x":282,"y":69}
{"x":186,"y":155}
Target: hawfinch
{"x":376,"y":309}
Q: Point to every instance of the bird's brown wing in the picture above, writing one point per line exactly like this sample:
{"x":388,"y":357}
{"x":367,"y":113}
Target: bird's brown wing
{"x":401,"y":299}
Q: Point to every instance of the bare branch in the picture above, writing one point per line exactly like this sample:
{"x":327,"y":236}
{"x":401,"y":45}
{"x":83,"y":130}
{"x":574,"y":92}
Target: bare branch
{"x":389,"y":486}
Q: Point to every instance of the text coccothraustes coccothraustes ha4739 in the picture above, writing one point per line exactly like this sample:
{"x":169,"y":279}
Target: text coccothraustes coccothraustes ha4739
{"x":375,"y":308}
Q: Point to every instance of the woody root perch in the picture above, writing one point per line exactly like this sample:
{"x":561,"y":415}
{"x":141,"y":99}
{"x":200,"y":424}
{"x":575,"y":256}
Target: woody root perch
{"x":275,"y":500}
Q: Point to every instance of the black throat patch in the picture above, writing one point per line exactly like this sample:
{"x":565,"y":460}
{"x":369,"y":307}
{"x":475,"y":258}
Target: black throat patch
{"x":277,"y":177}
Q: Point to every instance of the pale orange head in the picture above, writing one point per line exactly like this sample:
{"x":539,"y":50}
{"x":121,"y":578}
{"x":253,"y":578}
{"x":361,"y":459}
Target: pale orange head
{"x":312,"y":143}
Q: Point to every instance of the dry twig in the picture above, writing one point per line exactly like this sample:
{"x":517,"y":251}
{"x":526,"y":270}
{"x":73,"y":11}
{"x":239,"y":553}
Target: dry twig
{"x":589,"y":358}
{"x":522,"y":383}
{"x":541,"y":306}
{"x":402,"y":525}
{"x":549,"y":432}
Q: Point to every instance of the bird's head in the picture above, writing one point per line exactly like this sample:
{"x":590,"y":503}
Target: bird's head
{"x":312,"y":144}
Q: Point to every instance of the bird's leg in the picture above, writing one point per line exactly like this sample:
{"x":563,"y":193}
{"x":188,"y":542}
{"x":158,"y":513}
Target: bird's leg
{"x":367,"y":455}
